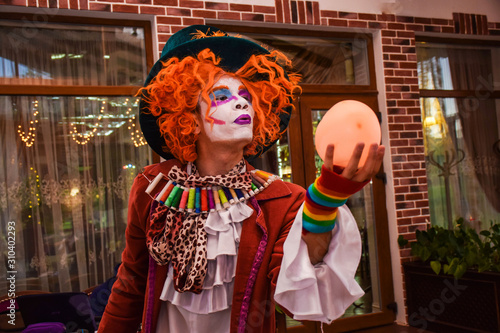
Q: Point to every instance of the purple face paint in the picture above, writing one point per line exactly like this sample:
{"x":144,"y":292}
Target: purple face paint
{"x":245,"y":94}
{"x":244,"y":119}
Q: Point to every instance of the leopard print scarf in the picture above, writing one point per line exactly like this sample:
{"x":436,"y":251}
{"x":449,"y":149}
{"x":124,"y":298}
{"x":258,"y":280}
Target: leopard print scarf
{"x":179,"y":238}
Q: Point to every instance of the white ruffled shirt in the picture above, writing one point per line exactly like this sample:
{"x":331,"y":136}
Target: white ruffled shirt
{"x":320,"y":293}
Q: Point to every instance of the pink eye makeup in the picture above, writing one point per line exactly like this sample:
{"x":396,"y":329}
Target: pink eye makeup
{"x":245,"y":94}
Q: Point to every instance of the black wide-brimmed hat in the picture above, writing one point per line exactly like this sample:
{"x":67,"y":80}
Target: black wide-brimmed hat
{"x":233,"y":52}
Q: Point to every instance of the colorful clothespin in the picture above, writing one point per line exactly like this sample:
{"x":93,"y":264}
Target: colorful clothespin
{"x":152,"y":184}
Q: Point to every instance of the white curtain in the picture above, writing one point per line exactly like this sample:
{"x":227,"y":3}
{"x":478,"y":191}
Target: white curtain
{"x":66,"y":186}
{"x":67,"y":161}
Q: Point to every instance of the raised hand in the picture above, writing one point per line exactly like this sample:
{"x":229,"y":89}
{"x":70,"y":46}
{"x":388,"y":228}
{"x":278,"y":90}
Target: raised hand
{"x":351,"y":171}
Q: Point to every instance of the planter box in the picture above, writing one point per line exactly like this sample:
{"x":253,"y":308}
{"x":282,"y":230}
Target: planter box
{"x":442,"y":304}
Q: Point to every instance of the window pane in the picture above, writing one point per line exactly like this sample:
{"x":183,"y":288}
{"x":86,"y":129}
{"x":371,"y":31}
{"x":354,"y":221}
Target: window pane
{"x":68,"y":165}
{"x":453,"y":67}
{"x":462,"y":143}
{"x":322,"y":60}
{"x":70,"y":54}
{"x":461,"y":135}
{"x":277,"y":159}
{"x":361,"y":207}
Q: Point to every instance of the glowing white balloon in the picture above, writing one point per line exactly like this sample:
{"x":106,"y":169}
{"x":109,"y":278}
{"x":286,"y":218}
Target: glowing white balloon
{"x":344,"y":125}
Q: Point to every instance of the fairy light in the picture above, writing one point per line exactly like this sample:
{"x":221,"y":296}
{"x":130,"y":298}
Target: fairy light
{"x":38,"y":186}
{"x":84,"y":138}
{"x":135,"y":133}
{"x":280,"y":161}
{"x":29,"y":137}
{"x":34,"y":199}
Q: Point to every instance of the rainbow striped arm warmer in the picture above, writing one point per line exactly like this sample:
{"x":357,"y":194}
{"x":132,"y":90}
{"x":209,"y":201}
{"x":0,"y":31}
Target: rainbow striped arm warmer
{"x":323,"y":198}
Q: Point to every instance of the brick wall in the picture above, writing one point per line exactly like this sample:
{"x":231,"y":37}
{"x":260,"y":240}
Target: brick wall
{"x":399,"y":60}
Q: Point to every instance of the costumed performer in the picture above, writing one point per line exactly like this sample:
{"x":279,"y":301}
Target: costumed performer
{"x":213,"y":244}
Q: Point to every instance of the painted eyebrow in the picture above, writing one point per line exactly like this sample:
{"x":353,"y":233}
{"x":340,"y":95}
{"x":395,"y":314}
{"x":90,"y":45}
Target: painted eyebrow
{"x":220,"y":88}
{"x":242,"y":87}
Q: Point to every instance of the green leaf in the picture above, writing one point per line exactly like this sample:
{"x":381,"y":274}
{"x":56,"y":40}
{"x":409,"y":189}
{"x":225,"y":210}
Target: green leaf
{"x":474,"y":236}
{"x":453,"y":266}
{"x":421,"y":236}
{"x":453,"y":240}
{"x":416,"y":249}
{"x":470,"y":258}
{"x":402,"y":241}
{"x":431,"y":233}
{"x":460,"y":271}
{"x":446,"y":267}
{"x":485,"y":233}
{"x":436,"y":266}
{"x":442,"y":252}
{"x":426,"y":253}
{"x":484,"y":266}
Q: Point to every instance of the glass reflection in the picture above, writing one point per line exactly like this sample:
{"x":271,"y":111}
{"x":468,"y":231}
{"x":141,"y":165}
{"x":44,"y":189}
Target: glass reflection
{"x":322,"y":60}
{"x":277,"y":160}
{"x":71,"y":54}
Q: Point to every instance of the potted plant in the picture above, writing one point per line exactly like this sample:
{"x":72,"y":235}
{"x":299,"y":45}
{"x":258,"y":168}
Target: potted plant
{"x":454,"y":283}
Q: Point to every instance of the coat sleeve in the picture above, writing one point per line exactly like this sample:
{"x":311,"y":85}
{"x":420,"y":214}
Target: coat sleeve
{"x":124,"y":310}
{"x":295,"y":202}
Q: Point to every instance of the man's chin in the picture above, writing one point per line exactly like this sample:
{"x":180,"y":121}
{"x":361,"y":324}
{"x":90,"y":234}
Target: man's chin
{"x":233,"y":143}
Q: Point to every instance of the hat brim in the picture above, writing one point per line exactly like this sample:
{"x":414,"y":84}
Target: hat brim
{"x":233,"y":52}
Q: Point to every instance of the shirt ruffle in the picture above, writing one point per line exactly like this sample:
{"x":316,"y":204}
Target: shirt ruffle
{"x":223,"y":230}
{"x":324,"y":291}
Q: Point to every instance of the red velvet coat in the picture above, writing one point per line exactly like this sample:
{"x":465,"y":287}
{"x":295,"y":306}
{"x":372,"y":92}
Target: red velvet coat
{"x":136,"y":292}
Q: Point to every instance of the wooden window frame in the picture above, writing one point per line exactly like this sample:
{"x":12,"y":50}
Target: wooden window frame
{"x":73,"y":90}
{"x":386,"y":314}
{"x":456,"y":93}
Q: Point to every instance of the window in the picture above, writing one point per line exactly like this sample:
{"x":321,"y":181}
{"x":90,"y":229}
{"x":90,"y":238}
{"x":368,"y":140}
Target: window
{"x":71,"y":146}
{"x":334,"y":66}
{"x":460,"y":86}
{"x":322,"y":60}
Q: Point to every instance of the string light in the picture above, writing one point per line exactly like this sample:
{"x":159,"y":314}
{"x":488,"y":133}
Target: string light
{"x":29,"y":139}
{"x":83,"y":139}
{"x":135,"y":133}
{"x":128,"y":166}
{"x":34,"y":199}
{"x":280,"y":161}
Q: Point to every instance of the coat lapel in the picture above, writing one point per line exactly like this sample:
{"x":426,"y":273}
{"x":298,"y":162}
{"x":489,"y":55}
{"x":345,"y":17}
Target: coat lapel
{"x":253,"y":245}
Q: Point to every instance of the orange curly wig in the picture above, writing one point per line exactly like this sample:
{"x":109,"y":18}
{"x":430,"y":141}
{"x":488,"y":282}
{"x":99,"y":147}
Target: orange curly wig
{"x":173,"y":98}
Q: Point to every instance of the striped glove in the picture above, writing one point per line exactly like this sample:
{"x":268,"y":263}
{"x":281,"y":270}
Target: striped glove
{"x":328,"y":192}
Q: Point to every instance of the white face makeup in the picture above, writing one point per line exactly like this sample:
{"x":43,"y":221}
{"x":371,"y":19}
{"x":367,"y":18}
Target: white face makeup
{"x":231,"y":112}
